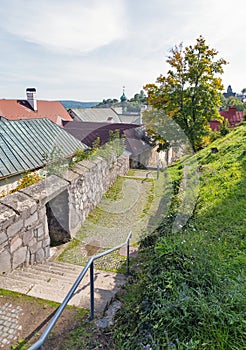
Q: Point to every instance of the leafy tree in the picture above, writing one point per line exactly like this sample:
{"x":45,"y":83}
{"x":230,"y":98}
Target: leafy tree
{"x":132,"y":106}
{"x":235,"y":102}
{"x":107,"y":103}
{"x":140,"y":98}
{"x":191,"y":91}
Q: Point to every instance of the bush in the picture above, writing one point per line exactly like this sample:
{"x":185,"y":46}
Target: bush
{"x":27,"y":179}
{"x":224,"y":128}
{"x":214,"y":135}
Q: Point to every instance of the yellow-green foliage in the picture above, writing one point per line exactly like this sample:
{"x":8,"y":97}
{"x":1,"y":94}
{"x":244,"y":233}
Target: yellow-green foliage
{"x":27,"y":179}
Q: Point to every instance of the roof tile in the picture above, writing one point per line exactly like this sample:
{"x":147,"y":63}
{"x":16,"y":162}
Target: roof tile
{"x":21,"y":109}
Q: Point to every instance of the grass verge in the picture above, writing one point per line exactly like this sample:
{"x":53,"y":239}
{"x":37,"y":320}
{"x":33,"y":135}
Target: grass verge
{"x":188,"y":290}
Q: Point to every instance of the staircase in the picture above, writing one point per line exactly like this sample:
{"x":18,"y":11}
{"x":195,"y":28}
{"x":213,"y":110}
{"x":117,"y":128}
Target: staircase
{"x":53,"y":280}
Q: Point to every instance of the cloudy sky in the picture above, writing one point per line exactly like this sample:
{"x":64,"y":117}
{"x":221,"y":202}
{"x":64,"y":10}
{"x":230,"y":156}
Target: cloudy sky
{"x":88,"y":50}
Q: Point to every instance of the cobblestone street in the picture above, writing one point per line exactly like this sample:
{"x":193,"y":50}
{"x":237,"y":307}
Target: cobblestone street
{"x":9,"y":324}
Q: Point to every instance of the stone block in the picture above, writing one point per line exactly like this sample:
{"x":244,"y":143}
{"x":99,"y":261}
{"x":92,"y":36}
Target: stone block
{"x":35,"y":247}
{"x":5,"y":261}
{"x":15,"y":243}
{"x":70,"y":176}
{"x":15,"y":228}
{"x":81,"y":170}
{"x":87,"y":164}
{"x":28,"y":258}
{"x":47,"y":252}
{"x":40,"y":232}
{"x":19,"y":257}
{"x":3,"y":238}
{"x":7,"y":216}
{"x":46,"y":243}
{"x":21,"y":203}
{"x":46,"y":228}
{"x":43,"y":191}
{"x":31,"y":220}
{"x":32,"y":242}
{"x":39,"y":256}
{"x":42,"y":213}
{"x":32,"y":259}
{"x":27,"y":237}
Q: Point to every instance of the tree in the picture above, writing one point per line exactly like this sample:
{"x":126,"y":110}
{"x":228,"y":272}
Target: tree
{"x":235,"y":102}
{"x":191,"y":91}
{"x":139,"y":98}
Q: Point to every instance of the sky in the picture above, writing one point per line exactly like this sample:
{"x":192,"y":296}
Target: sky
{"x":87,"y":50}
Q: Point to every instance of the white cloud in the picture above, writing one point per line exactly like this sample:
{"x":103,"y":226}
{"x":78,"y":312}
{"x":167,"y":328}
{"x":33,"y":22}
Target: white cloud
{"x":75,"y":25}
{"x":112,"y":43}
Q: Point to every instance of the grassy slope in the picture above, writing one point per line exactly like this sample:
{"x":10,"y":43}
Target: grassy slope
{"x":189,"y":291}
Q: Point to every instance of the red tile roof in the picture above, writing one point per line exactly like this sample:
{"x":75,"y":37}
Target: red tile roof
{"x":21,"y":109}
{"x":233,"y":116}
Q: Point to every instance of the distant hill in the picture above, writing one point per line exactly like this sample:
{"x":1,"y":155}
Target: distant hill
{"x":77,"y":104}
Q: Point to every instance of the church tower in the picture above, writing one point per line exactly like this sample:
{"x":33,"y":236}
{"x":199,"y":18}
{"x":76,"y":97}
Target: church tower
{"x":123,"y":100}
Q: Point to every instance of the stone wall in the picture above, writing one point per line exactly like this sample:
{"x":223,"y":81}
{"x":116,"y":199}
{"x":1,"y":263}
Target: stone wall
{"x":150,"y":158}
{"x":52,"y":209}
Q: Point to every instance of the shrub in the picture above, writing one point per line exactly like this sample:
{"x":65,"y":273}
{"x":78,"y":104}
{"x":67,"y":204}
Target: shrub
{"x":224,"y":128}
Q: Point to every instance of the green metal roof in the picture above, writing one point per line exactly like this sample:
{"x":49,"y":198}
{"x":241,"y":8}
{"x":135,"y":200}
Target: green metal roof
{"x":101,"y":115}
{"x":23,"y":144}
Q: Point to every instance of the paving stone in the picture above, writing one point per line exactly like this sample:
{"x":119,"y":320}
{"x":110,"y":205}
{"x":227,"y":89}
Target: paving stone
{"x":9,"y":326}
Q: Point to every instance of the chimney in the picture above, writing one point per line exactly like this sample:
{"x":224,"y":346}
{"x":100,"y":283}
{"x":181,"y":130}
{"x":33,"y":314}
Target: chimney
{"x":31,"y":98}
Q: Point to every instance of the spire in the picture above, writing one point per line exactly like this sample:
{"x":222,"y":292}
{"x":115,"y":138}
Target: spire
{"x":123,"y":100}
{"x":123,"y":97}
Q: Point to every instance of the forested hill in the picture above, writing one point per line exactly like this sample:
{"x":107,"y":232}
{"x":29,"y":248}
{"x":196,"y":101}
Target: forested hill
{"x":77,"y":104}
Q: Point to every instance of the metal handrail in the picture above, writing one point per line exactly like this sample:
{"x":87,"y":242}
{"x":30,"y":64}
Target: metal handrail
{"x":90,"y":264}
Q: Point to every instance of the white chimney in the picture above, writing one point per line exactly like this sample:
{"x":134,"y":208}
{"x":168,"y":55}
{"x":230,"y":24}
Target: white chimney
{"x":31,"y":98}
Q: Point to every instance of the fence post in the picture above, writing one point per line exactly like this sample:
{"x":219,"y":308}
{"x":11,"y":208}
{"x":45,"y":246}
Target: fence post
{"x":92,"y":289}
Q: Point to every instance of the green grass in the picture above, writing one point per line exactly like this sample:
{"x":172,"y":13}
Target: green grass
{"x":115,"y":191}
{"x":39,"y":301}
{"x":188,"y":290}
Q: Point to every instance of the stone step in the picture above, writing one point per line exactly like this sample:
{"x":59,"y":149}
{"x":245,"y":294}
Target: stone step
{"x":46,"y":278}
{"x":62,"y":266}
{"x":50,"y":272}
{"x":52,"y":281}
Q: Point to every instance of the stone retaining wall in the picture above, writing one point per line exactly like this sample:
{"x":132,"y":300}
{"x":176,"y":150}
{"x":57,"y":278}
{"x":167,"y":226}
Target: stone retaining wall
{"x":52,"y":209}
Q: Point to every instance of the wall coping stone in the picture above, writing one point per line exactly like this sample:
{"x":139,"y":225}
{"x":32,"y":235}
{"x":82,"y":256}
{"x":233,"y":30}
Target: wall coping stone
{"x":20,"y":203}
{"x":43,"y":191}
{"x":70,"y":176}
{"x":7,"y":216}
{"x":103,"y":160}
{"x":89,"y":164}
{"x":81,"y":169}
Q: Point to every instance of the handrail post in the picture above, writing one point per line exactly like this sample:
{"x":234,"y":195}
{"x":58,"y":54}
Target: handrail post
{"x":92,"y":289}
{"x":128,"y":257}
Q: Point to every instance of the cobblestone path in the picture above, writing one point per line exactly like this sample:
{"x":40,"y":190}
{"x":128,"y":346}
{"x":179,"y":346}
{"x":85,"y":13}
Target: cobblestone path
{"x":9,"y":324}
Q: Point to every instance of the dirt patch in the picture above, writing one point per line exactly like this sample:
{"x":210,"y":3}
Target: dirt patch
{"x":72,"y":331}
